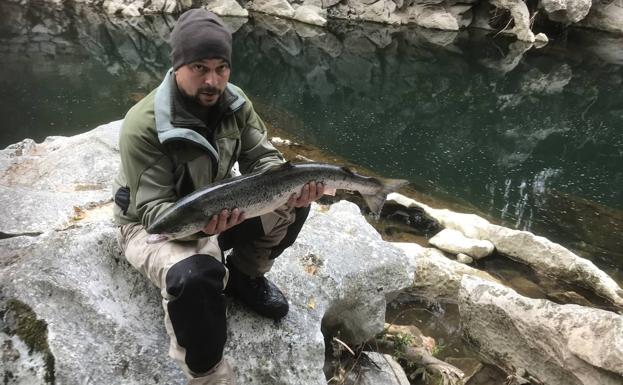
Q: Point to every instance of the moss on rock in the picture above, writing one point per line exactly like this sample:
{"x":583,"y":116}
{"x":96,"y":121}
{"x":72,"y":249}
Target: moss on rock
{"x":21,"y":321}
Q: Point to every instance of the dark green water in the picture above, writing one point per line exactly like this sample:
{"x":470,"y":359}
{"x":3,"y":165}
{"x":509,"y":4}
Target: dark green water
{"x":531,"y":140}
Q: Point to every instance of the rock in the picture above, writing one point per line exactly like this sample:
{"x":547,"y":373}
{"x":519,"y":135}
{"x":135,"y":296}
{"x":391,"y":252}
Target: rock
{"x":541,"y":254}
{"x":131,"y":11}
{"x":226,"y":8}
{"x":272,"y":7}
{"x":102,"y":320}
{"x":464,"y":258}
{"x":606,"y":16}
{"x":381,"y":11}
{"x":454,"y":242}
{"x":377,"y":369}
{"x":433,"y":16}
{"x":469,"y":366}
{"x":521,"y":17}
{"x":540,"y":40}
{"x":557,"y":344}
{"x":310,"y":14}
{"x":566,"y":11}
{"x":437,"y":277}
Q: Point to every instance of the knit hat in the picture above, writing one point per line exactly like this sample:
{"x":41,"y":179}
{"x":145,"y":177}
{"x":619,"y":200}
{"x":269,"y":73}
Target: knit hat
{"x":199,"y":34}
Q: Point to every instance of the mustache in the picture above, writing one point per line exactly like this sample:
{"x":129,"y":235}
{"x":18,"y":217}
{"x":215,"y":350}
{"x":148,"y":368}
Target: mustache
{"x":208,"y":90}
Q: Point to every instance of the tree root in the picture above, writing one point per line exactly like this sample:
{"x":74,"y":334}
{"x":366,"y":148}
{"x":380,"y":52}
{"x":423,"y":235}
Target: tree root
{"x":449,"y":374}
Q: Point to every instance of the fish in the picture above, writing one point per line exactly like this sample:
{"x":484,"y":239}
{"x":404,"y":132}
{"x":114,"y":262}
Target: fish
{"x":259,"y":193}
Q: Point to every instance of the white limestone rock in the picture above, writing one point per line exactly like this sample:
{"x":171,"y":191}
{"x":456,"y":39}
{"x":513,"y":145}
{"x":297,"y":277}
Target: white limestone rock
{"x":464,"y":258}
{"x":105,"y":320}
{"x":521,"y":17}
{"x":539,"y":253}
{"x":434,"y":17}
{"x":310,"y":14}
{"x":566,"y":11}
{"x":557,"y":344}
{"x":226,"y":8}
{"x":272,"y":7}
{"x":437,"y":277}
{"x":605,"y":16}
{"x":454,"y":242}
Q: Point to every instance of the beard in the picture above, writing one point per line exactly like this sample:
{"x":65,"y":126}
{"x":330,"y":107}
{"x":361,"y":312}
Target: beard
{"x":206,"y":96}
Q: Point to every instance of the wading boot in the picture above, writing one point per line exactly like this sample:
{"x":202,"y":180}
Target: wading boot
{"x":221,"y":374}
{"x":258,"y":293}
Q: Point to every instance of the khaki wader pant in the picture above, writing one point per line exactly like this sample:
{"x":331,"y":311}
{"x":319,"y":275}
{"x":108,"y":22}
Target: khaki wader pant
{"x":191,"y":277}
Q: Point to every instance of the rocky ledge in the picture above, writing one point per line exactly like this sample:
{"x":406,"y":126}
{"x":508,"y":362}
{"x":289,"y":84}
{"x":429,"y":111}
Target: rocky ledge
{"x":73,"y":311}
{"x":514,"y":17}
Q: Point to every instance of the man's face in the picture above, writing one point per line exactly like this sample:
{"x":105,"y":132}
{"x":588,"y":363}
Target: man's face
{"x":203,"y":81}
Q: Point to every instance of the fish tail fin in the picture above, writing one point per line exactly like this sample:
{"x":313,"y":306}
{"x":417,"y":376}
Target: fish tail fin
{"x":376,"y":201}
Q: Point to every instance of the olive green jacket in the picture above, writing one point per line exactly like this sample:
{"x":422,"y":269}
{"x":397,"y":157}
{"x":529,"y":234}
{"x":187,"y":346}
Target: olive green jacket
{"x":164,"y":155}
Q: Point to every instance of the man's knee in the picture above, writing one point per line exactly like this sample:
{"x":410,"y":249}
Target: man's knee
{"x":197,"y":309}
{"x":198,"y":273}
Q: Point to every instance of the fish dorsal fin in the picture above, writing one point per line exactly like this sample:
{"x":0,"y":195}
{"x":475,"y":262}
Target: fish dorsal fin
{"x":348,"y":170}
{"x":282,"y":166}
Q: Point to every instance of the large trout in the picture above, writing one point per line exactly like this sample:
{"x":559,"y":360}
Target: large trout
{"x":259,"y":193}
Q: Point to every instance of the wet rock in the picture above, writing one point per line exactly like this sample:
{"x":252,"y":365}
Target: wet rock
{"x":568,"y":297}
{"x":541,"y":254}
{"x":566,"y":11}
{"x":272,"y":7}
{"x":310,"y":14}
{"x":436,"y":276}
{"x":521,"y":18}
{"x":227,"y":8}
{"x":454,"y":242}
{"x":464,"y":258}
{"x":606,"y":16}
{"x":556,"y":344}
{"x":377,"y":369}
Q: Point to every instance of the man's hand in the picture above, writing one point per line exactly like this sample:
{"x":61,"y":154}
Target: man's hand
{"x":310,"y":192}
{"x":223,"y":221}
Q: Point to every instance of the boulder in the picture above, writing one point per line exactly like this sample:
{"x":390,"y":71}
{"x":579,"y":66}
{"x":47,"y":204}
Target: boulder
{"x":605,"y":16}
{"x":226,"y":8}
{"x":98,"y":319}
{"x":272,"y":7}
{"x":437,"y":277}
{"x":556,"y":344}
{"x":310,"y":14}
{"x":454,"y":242}
{"x":541,"y":254}
{"x":566,"y":11}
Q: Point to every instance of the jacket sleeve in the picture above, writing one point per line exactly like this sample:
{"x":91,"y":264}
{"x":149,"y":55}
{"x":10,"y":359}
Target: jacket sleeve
{"x":256,"y":153}
{"x":149,"y":174}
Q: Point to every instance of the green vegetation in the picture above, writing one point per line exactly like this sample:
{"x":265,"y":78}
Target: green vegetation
{"x":34,"y":332}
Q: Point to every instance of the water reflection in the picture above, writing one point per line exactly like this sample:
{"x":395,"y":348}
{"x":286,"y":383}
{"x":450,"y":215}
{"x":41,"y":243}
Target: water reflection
{"x":530,"y":138}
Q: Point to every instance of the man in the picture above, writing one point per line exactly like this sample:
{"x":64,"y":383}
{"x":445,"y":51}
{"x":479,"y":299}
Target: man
{"x":185,"y":134}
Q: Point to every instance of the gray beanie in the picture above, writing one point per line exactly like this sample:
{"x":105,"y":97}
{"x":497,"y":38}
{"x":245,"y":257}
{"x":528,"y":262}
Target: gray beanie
{"x":199,"y":34}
